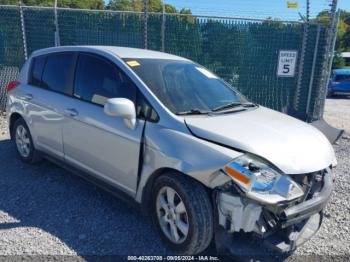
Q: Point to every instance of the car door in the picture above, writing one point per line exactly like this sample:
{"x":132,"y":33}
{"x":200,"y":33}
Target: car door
{"x":93,"y":141}
{"x":50,"y":81}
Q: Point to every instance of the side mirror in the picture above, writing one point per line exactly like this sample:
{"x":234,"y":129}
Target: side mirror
{"x":122,"y":107}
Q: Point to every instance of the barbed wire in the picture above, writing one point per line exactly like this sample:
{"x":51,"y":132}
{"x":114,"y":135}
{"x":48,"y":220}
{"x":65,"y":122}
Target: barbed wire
{"x":275,"y":9}
{"x":256,"y":9}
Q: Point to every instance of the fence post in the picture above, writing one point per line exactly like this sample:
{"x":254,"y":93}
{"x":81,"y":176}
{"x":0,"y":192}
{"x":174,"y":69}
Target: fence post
{"x":57,"y":33}
{"x":145,"y":23}
{"x":327,"y":63}
{"x":24,"y":37}
{"x":312,"y":71}
{"x":163,"y":29}
{"x":301,"y":66}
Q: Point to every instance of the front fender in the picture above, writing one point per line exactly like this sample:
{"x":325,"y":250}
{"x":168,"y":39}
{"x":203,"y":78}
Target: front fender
{"x":181,"y":151}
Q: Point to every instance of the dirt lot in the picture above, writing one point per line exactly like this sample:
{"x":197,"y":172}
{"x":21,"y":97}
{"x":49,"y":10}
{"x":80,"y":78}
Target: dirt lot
{"x":45,"y":210}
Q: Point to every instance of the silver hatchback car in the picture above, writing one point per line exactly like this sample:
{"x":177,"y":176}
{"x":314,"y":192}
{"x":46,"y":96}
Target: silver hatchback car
{"x":204,"y":162}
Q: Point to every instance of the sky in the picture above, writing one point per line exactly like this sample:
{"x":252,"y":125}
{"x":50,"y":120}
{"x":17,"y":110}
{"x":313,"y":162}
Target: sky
{"x":255,"y":8}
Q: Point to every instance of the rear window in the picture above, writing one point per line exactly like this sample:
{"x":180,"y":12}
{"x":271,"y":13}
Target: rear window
{"x":58,"y":72}
{"x":37,"y":70}
{"x":339,"y":78}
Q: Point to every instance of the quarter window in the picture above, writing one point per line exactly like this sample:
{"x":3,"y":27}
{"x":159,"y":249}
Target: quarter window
{"x":37,"y":70}
{"x":58,"y":70}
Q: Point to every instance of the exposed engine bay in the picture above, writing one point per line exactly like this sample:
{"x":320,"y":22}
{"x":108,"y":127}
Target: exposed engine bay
{"x":282,"y":225}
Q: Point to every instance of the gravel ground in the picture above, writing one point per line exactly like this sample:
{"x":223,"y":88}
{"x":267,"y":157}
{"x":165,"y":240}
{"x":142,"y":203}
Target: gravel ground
{"x":45,"y":210}
{"x":337,"y":112}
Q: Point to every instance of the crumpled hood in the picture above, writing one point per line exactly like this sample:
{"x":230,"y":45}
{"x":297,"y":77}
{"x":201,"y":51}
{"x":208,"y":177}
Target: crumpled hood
{"x":291,"y":145}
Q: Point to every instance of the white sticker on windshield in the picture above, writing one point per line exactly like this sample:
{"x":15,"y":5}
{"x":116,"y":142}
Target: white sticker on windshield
{"x":206,"y":72}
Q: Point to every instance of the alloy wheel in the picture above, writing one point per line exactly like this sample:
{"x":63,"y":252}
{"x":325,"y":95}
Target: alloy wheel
{"x":172,"y":215}
{"x":22,"y":141}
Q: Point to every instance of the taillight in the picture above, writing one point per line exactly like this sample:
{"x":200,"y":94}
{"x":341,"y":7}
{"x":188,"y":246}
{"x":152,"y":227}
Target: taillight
{"x":12,"y":85}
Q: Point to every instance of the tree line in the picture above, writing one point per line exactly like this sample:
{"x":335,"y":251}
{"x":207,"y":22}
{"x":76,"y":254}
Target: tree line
{"x":343,"y":36}
{"x":122,"y":5}
{"x":343,"y":39}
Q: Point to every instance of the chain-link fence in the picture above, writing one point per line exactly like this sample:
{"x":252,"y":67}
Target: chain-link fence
{"x":245,"y":52}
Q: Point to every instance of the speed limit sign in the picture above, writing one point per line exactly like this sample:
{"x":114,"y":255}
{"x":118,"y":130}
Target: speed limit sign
{"x":287,"y":61}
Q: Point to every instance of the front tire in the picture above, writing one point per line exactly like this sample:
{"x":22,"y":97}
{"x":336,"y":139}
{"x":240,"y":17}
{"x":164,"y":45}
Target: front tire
{"x":24,"y":142}
{"x":183,"y":214}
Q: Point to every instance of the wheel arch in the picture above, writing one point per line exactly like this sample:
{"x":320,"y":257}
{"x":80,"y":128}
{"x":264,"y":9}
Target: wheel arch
{"x":12,"y":119}
{"x":147,"y":191}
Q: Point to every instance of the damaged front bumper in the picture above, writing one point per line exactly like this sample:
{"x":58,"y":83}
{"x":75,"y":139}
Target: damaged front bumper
{"x":245,"y":226}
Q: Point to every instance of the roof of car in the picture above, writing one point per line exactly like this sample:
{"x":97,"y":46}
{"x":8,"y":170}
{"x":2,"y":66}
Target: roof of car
{"x":122,"y":52}
{"x":342,"y":71}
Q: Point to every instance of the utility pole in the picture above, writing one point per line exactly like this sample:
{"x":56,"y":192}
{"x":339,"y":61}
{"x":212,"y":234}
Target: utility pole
{"x":145,"y":21}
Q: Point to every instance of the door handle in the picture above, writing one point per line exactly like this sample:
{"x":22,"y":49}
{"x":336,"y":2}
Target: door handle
{"x":71,"y":112}
{"x":27,"y":97}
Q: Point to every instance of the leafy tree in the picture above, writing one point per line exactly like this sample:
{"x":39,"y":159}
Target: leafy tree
{"x":170,"y":9}
{"x":138,"y":6}
{"x":323,"y":16}
{"x":343,"y":35}
{"x":346,"y":41}
{"x":123,"y":5}
{"x":83,"y":4}
{"x":338,"y":61}
{"x":185,"y":11}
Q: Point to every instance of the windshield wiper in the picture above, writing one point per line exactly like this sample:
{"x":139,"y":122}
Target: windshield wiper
{"x":194,"y":111}
{"x":249,"y":105}
{"x":197,"y":111}
{"x":232,"y":105}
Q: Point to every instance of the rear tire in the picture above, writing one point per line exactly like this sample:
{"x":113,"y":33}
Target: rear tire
{"x":24,"y":142}
{"x":185,"y":223}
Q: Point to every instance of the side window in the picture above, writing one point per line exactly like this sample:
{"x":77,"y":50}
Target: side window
{"x":37,"y":70}
{"x":97,"y":80}
{"x":58,"y":72}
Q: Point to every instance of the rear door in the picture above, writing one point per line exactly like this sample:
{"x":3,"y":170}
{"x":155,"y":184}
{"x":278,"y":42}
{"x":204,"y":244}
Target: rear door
{"x":93,"y":141}
{"x":50,"y":82}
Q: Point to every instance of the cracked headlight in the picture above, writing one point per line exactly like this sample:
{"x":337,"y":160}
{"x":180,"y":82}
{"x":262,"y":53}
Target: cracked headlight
{"x":261,"y":181}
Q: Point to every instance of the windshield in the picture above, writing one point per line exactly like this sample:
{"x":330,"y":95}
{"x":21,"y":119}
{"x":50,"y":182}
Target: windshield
{"x":184,"y":86}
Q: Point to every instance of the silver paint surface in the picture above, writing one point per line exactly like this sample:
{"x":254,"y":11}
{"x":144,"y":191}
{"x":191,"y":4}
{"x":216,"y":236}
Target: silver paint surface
{"x":292,"y":145}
